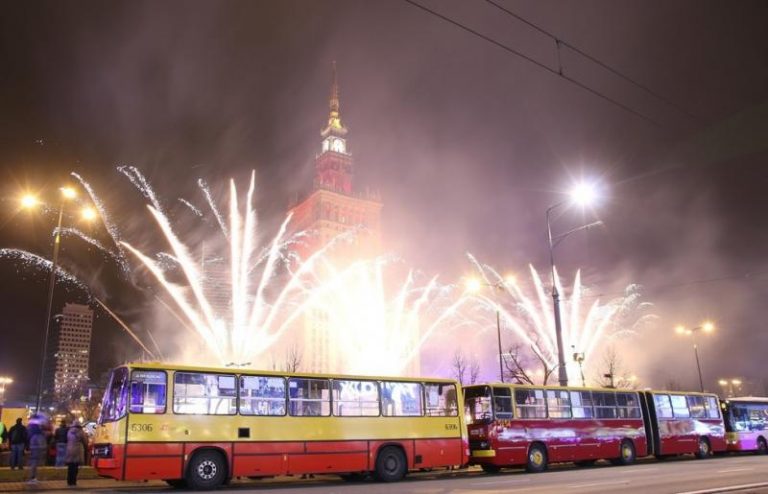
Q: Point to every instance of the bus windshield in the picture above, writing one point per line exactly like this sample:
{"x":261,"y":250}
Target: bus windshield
{"x":113,"y":406}
{"x":743,"y":417}
{"x":477,"y":404}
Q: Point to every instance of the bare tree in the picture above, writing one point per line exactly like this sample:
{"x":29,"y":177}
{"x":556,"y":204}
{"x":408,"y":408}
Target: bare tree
{"x":522,"y":363}
{"x":672,"y":384}
{"x":293,"y":358}
{"x":463,"y":366}
{"x":612,"y":372}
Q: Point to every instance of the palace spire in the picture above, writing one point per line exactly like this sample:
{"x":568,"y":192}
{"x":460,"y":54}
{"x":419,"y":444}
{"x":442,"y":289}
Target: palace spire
{"x":334,"y":118}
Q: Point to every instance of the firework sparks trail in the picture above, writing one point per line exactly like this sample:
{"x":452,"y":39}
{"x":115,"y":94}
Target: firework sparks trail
{"x":191,"y":207}
{"x":214,"y":209}
{"x":28,"y":259}
{"x":530,"y":318}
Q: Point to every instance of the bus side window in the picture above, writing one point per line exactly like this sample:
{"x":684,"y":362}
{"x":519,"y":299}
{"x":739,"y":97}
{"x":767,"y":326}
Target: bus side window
{"x":530,"y":403}
{"x":605,"y":404}
{"x":628,"y":406}
{"x":355,"y":398}
{"x":198,"y":393}
{"x":401,"y":399}
{"x":309,"y":397}
{"x":502,"y":403}
{"x":147,"y":391}
{"x":712,"y":406}
{"x":262,"y":395}
{"x":663,"y":406}
{"x":680,"y":406}
{"x":441,"y":399}
{"x":581,"y":404}
{"x":696,"y":406}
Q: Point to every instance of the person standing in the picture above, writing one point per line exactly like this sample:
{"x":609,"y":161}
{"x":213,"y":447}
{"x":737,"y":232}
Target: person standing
{"x":17,"y":437}
{"x":38,"y":447}
{"x":77,"y":443}
{"x":60,"y":437}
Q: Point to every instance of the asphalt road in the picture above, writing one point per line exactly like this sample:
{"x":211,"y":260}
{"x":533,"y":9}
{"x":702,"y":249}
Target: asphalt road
{"x":675,"y":476}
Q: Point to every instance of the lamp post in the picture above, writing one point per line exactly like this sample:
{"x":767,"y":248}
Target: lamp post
{"x":706,"y":327}
{"x":474,"y":285}
{"x":29,"y":201}
{"x":4,"y":381}
{"x":582,"y":194}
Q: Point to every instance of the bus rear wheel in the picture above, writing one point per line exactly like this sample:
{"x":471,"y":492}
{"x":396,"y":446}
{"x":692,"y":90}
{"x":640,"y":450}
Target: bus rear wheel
{"x":762,"y":447}
{"x":704,"y":450}
{"x":626,"y":453}
{"x":206,"y":470}
{"x":390,"y":464}
{"x":537,"y":459}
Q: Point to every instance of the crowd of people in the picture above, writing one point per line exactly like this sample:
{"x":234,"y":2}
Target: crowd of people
{"x":38,"y":438}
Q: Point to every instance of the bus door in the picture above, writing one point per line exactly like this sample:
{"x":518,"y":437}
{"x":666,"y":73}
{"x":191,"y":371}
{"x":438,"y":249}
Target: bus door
{"x":650,"y":422}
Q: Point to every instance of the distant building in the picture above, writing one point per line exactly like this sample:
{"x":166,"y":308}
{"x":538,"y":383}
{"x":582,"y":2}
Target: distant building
{"x":70,"y":350}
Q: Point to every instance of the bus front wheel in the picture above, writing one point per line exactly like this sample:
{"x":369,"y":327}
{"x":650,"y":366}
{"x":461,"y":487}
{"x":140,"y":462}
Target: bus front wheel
{"x":762,"y":447}
{"x":390,"y":464}
{"x":704,"y":450}
{"x":537,"y":459}
{"x":206,"y":470}
{"x":626,"y":453}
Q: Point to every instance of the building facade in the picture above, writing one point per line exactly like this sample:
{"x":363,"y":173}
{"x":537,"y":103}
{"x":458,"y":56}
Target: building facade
{"x":67,"y":369}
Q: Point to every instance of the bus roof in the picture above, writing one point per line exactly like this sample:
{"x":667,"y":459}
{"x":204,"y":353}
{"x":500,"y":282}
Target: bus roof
{"x":591,"y":388}
{"x":747,"y":399}
{"x":247,"y":371}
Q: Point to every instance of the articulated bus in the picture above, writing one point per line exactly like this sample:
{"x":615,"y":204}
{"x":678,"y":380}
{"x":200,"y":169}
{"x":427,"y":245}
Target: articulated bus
{"x":200,"y":427}
{"x":746,"y":424}
{"x":512,"y":425}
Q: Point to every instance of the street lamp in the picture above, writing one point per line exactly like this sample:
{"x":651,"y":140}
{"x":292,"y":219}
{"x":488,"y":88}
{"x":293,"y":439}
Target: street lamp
{"x":583,"y":194}
{"x":474,"y":285}
{"x":29,"y":201}
{"x":4,"y":381}
{"x":706,"y":327}
{"x":730,"y":384}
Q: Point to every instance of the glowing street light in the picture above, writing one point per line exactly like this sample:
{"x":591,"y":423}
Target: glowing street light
{"x":474,"y":285}
{"x":29,"y":201}
{"x":4,"y":381}
{"x":731,"y":385}
{"x":706,"y":327}
{"x":583,"y":194}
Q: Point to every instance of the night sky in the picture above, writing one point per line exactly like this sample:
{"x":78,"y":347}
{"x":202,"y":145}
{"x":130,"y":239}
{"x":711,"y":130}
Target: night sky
{"x":467,"y":142}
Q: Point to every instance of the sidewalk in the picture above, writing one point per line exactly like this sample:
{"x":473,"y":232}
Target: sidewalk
{"x":54,"y":479}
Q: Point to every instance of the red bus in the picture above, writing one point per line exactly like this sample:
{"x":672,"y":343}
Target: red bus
{"x":680,"y":423}
{"x":512,"y":425}
{"x":200,"y":427}
{"x":746,"y":424}
{"x":533,"y":426}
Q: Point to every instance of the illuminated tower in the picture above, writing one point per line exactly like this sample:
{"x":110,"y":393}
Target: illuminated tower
{"x":333,"y":206}
{"x":330,"y":209}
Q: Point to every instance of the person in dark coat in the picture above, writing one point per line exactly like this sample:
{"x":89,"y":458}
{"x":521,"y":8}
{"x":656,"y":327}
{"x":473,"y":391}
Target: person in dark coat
{"x":77,"y":443}
{"x":60,"y":438}
{"x":17,"y":437}
{"x":38,"y":446}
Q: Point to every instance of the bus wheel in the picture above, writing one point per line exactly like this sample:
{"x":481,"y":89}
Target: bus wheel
{"x":206,"y":470}
{"x":176,"y":483}
{"x":490,"y":468}
{"x":390,"y":464}
{"x":626,"y":453}
{"x":537,"y":459}
{"x":704,"y":449}
{"x":762,"y":447}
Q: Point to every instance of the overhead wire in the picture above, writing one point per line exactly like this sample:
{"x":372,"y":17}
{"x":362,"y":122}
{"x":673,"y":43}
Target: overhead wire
{"x":558,"y":73}
{"x":561,"y":42}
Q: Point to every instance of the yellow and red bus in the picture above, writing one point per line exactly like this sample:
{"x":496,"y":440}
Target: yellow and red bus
{"x":200,"y":427}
